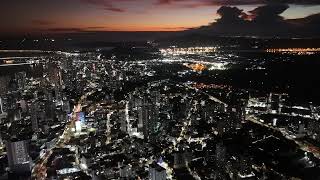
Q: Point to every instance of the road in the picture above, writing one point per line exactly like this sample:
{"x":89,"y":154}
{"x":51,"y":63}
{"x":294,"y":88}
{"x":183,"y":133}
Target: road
{"x":186,"y":127}
{"x":17,"y":64}
{"x":39,"y":171}
{"x":305,"y":146}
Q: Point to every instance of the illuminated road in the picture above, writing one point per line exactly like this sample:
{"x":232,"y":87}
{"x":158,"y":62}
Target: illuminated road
{"x":39,"y":170}
{"x":13,"y":58}
{"x":24,"y":51}
{"x":186,"y":127}
{"x":210,"y":96}
{"x":302,"y":144}
{"x":182,"y":60}
{"x":18,"y":64}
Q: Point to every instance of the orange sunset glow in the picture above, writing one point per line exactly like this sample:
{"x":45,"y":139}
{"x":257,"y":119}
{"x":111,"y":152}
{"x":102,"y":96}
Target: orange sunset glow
{"x":111,"y":15}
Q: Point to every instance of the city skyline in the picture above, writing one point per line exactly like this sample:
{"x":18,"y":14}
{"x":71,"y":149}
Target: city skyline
{"x":160,"y":89}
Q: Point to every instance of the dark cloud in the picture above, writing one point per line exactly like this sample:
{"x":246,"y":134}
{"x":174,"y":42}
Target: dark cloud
{"x":96,"y":27}
{"x":176,"y":28}
{"x":113,"y":5}
{"x":296,"y":1}
{"x":72,"y":29}
{"x":230,"y":14}
{"x":263,"y":21}
{"x":114,"y":9}
{"x":63,"y":30}
{"x":186,"y":3}
{"x":108,"y":5}
{"x":209,"y":2}
{"x":42,"y":22}
{"x":269,"y":13}
{"x":197,"y":3}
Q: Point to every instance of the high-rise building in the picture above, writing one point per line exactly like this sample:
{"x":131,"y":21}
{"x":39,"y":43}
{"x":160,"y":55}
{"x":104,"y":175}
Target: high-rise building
{"x":143,"y":116}
{"x":17,"y":114}
{"x":57,"y":93}
{"x":220,"y":154}
{"x":78,"y":126}
{"x":125,"y":172}
{"x":23,"y":105}
{"x":66,"y":106}
{"x":21,"y":79}
{"x":49,"y":110}
{"x":4,"y":81}
{"x":156,"y":172}
{"x":140,"y":118}
{"x":1,"y":143}
{"x":34,"y":116}
{"x":148,"y":118}
{"x":2,"y":113}
{"x":301,"y":129}
{"x":18,"y":157}
{"x":179,"y":160}
{"x":1,"y":106}
{"x":54,"y":74}
{"x":123,"y":121}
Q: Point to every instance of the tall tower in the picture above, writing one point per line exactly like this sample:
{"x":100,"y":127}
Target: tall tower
{"x":179,"y":160}
{"x":21,"y":79}
{"x":34,"y":116}
{"x":18,"y":156}
{"x":1,"y":141}
{"x":2,"y":113}
{"x":150,"y":115}
{"x":220,"y":154}
{"x":157,"y":172}
{"x":1,"y":106}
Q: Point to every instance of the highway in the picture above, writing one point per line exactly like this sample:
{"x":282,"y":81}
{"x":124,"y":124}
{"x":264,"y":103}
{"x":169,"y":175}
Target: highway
{"x":39,"y":171}
{"x":305,"y":146}
{"x":18,"y":64}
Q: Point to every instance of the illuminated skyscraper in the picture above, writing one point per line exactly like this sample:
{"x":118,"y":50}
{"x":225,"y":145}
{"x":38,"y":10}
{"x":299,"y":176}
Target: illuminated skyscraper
{"x":220,"y":154}
{"x":1,"y":142}
{"x":21,"y":79}
{"x":148,"y":118}
{"x":179,"y":160}
{"x":1,"y":106}
{"x":18,"y":156}
{"x":34,"y":116}
{"x":157,"y":172}
{"x":2,"y":113}
{"x":4,"y":81}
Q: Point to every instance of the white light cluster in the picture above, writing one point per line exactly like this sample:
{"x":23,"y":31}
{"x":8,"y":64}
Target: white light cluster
{"x":298,"y":51}
{"x":187,"y":51}
{"x":218,"y":66}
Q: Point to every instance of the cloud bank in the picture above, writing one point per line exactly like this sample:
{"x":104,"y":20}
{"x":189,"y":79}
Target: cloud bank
{"x":265,"y":20}
{"x":114,"y":5}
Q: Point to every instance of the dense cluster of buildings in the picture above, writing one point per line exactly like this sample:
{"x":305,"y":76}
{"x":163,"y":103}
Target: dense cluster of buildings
{"x":296,"y":120}
{"x":82,"y":116}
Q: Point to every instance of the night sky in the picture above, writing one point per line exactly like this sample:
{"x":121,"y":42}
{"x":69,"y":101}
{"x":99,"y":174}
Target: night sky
{"x":33,"y":16}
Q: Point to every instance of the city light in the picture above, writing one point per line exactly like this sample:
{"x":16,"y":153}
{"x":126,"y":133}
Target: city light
{"x":197,"y":67}
{"x":176,"y":95}
{"x":298,"y":51}
{"x":175,"y":51}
